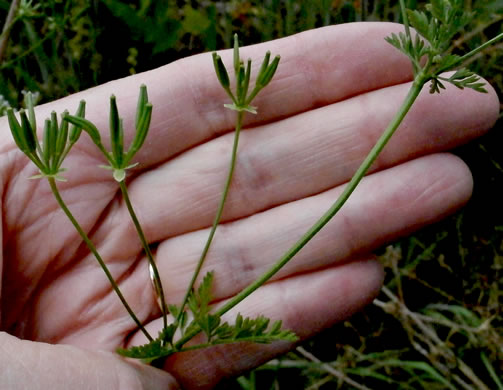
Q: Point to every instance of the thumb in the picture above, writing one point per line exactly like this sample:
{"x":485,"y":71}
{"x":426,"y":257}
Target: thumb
{"x":32,"y":365}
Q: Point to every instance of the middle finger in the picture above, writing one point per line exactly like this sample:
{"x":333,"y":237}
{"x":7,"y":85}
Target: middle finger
{"x":294,"y":158}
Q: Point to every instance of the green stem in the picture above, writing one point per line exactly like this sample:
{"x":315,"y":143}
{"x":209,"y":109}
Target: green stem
{"x":252,"y":95}
{"x":157,"y":279}
{"x":9,"y":22}
{"x":92,"y":248}
{"x":355,"y":180}
{"x":405,"y":18}
{"x":471,"y":53}
{"x":36,"y":160}
{"x":494,"y":376}
{"x":239,"y":123}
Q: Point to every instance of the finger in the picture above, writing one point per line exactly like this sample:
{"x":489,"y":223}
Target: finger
{"x":294,"y":158}
{"x":387,"y":204}
{"x":317,"y":67}
{"x":305,"y":303}
{"x":30,"y":365}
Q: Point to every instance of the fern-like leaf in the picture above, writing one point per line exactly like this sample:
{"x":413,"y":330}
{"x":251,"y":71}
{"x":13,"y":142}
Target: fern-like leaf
{"x":199,"y":305}
{"x":162,"y":346}
{"x":255,"y":330}
{"x":464,"y":78}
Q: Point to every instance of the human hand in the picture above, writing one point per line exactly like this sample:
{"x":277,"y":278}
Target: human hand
{"x":335,"y":91}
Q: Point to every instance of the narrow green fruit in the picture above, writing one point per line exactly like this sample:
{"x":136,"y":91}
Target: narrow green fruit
{"x":75,"y":131}
{"x":220,"y":70}
{"x":28,"y":133}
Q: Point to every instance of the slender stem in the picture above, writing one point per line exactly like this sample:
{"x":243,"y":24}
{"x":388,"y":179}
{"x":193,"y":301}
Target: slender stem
{"x":472,"y":53}
{"x":4,"y":38}
{"x":157,"y":279}
{"x":36,"y":160}
{"x":216,"y":221}
{"x":490,"y":369}
{"x":252,"y":95}
{"x":355,"y":180}
{"x":92,"y":248}
{"x":405,"y":18}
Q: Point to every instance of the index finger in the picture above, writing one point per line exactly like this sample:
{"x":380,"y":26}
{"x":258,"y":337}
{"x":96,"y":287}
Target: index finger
{"x":318,"y":67}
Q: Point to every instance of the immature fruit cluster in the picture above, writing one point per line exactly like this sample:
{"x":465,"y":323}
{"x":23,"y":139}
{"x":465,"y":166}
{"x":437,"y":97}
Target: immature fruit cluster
{"x":240,"y":98}
{"x":57,"y":138}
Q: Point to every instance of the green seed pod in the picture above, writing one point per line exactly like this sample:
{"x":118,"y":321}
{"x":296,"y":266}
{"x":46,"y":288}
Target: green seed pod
{"x":269,"y":73}
{"x":116,"y":132}
{"x":87,"y":126}
{"x":17,"y":131}
{"x":142,"y":101}
{"x":75,"y":130}
{"x":237,"y":61}
{"x":46,"y":142}
{"x":120,"y":144}
{"x":263,"y":67}
{"x":50,"y":137}
{"x":61,"y":139}
{"x":28,"y":132}
{"x":246,"y":82}
{"x":28,"y":102}
{"x":141,"y":132}
{"x":240,"y":83}
{"x":220,"y":70}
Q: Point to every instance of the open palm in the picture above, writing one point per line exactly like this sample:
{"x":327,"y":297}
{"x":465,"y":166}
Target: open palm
{"x":335,"y":91}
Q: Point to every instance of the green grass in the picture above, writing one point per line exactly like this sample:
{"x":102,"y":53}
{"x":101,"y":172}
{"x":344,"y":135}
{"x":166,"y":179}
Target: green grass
{"x":438,"y":322}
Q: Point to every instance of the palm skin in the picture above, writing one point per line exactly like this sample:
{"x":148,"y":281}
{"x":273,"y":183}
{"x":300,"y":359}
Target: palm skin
{"x":335,"y":91}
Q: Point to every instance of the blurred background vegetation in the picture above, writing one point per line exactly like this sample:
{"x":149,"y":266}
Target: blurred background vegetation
{"x":438,"y":322}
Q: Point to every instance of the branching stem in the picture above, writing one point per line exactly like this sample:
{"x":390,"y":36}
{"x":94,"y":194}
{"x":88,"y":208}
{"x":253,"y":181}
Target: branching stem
{"x":413,"y":93}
